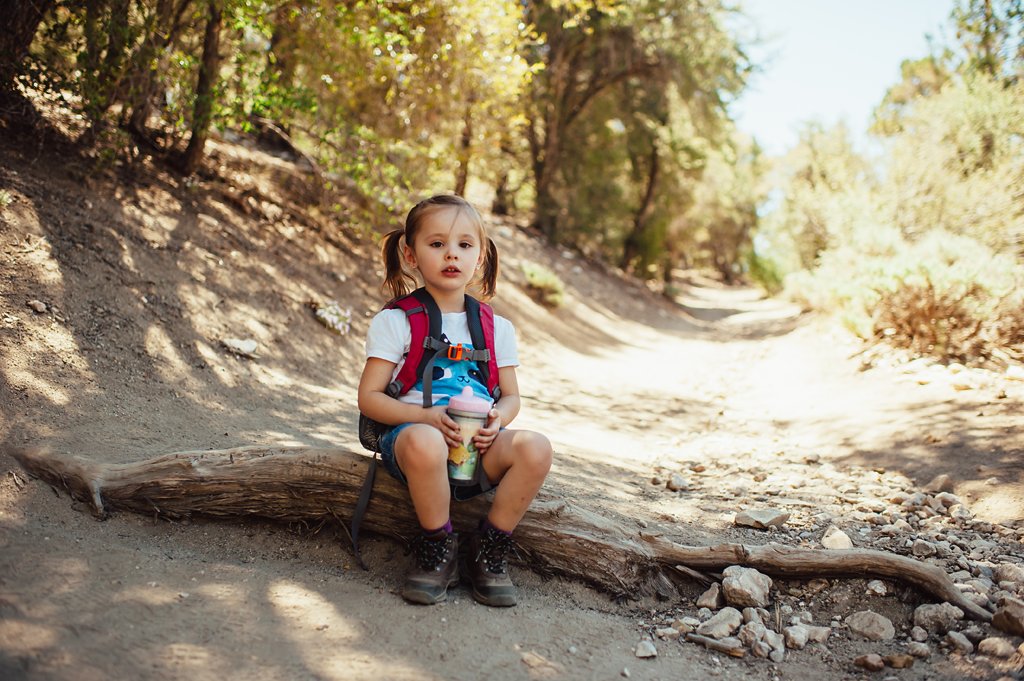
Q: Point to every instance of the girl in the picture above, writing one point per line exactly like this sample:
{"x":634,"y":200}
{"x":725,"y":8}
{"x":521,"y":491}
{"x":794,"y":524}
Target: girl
{"x":444,"y":241}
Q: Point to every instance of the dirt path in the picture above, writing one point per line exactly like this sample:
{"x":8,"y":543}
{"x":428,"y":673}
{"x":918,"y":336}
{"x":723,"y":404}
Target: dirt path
{"x":126,"y":363}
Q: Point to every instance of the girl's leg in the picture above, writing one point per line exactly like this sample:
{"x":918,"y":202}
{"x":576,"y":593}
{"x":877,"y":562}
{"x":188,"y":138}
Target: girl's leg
{"x":422,"y":454}
{"x":520,"y":459}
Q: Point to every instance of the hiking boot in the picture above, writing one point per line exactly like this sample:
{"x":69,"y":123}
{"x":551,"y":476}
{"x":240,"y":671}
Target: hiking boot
{"x":488,"y":563}
{"x":435,"y":568}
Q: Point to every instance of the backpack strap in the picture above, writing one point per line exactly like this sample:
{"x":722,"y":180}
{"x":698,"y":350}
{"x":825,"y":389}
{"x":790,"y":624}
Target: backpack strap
{"x":425,"y":325}
{"x":480,"y":317}
{"x":360,"y":509}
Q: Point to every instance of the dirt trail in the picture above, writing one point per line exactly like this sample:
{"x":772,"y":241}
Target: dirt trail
{"x":142,"y":279}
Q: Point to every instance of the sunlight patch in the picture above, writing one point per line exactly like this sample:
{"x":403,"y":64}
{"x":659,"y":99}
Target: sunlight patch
{"x":159,"y":344}
{"x":18,"y":637}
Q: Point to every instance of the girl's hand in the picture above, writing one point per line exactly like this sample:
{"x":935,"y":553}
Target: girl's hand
{"x":485,"y":436}
{"x":437,"y":416}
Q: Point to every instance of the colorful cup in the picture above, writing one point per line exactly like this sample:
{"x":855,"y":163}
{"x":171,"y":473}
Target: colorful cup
{"x":470,"y":413}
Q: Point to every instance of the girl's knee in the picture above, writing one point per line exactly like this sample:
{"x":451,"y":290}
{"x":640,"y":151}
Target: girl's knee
{"x":421,"y":449}
{"x":535,"y":452}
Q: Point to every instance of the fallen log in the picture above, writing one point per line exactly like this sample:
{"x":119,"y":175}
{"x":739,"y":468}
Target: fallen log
{"x":304,"y":484}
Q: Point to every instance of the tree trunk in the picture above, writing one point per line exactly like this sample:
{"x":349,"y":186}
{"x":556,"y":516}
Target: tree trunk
{"x":202,"y":111}
{"x":21,"y":19}
{"x":554,"y":537}
{"x":465,"y":147}
{"x":631,"y":247}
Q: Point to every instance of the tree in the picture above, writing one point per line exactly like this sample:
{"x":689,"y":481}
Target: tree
{"x":17,"y":31}
{"x":206,"y":85}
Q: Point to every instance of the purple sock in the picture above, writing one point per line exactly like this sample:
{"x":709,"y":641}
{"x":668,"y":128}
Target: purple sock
{"x":488,"y":525}
{"x":447,"y":528}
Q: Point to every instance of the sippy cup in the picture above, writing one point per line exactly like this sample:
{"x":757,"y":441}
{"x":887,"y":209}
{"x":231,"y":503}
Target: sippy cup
{"x":470,"y":412}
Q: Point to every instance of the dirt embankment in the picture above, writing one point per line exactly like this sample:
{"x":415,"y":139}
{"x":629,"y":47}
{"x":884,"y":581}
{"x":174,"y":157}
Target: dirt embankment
{"x":143,"y":277}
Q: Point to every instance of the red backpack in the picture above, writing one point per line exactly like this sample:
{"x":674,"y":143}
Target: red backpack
{"x":425,"y":347}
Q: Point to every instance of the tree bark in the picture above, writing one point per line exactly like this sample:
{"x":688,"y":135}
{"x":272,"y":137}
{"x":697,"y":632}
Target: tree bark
{"x":21,"y":19}
{"x":202,"y":111}
{"x":631,"y":246}
{"x":555,"y":537}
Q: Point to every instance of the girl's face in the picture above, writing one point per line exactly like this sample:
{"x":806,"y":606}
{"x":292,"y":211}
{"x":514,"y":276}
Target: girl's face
{"x":446,"y":249}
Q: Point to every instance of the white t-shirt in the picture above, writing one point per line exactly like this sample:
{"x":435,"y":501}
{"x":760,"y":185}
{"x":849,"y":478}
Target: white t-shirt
{"x":390,"y":335}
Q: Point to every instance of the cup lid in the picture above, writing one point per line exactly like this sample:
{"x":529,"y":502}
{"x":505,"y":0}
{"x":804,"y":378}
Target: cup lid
{"x":467,"y":401}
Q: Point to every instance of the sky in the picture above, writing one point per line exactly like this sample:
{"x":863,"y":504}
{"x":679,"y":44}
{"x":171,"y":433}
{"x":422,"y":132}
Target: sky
{"x":830,"y":60}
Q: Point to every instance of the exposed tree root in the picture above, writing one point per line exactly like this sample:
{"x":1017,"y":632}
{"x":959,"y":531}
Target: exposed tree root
{"x":555,"y":537}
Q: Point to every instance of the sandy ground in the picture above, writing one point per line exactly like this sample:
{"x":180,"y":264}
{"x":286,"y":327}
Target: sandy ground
{"x":144,"y":275}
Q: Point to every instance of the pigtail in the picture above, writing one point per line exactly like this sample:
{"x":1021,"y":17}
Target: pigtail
{"x":489,"y":277}
{"x":397,"y":280}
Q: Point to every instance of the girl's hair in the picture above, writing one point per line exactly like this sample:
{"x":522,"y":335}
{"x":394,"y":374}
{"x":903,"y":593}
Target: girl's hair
{"x":399,"y":281}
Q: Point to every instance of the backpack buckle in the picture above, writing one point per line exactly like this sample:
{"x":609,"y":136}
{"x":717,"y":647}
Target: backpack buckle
{"x":457,"y":350}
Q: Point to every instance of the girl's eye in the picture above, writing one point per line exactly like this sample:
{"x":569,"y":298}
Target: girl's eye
{"x":436,"y":244}
{"x":466,"y":244}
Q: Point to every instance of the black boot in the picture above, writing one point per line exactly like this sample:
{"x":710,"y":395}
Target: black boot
{"x":488,"y":563}
{"x":434,"y":569}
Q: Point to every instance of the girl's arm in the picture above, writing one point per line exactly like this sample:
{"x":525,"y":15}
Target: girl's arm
{"x":379,"y":406}
{"x":502,"y":413}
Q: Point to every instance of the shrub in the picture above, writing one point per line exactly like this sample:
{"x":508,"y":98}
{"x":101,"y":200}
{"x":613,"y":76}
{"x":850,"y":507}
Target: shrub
{"x":548,"y":287}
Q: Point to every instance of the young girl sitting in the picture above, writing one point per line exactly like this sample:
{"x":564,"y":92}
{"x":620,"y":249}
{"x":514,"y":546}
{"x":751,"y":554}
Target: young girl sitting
{"x":444,"y":241}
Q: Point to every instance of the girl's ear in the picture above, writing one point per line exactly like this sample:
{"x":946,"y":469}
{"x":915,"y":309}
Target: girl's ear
{"x":410,"y":256}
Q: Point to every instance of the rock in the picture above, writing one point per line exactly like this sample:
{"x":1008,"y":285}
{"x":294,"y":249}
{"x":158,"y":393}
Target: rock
{"x":922,"y":549}
{"x":918,"y":649}
{"x":727,"y":621}
{"x":657,"y":481}
{"x":677,"y":483}
{"x":959,"y":643}
{"x":685,"y":625}
{"x":973,"y":634}
{"x":243,"y":348}
{"x":37,"y":305}
{"x":669,"y":633}
{"x":745,"y":587}
{"x":646,"y":649}
{"x":836,"y":539}
{"x":919,"y":634}
{"x":947,"y":499}
{"x":940,"y":483}
{"x":760,"y":649}
{"x":751,"y":615}
{"x":872,"y":662}
{"x":704,"y":614}
{"x":897,"y":498}
{"x":777,"y":656}
{"x":996,"y":647}
{"x":937,"y":619}
{"x":1009,"y":618}
{"x":871,"y":625}
{"x":899,"y":661}
{"x":761,"y":519}
{"x":751,"y":632}
{"x":877,"y":587}
{"x":960,"y":513}
{"x":774,"y":639}
{"x":712,"y":598}
{"x":818,"y":634}
{"x":1010,"y":572}
{"x":795,"y":637}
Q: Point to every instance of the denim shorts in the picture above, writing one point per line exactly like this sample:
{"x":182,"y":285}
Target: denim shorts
{"x":387,"y":457}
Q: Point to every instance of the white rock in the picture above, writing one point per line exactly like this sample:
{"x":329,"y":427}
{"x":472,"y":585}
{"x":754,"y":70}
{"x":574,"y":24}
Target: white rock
{"x":669,"y":633}
{"x":761,"y":519}
{"x":646,"y":649}
{"x":723,"y":624}
{"x":818,"y":634}
{"x":677,"y":483}
{"x":918,"y":649}
{"x":745,"y":587}
{"x":959,"y":643}
{"x":836,"y":539}
{"x":922,"y":548}
{"x":937,"y":619}
{"x":751,"y":632}
{"x":37,"y":305}
{"x":245,"y":348}
{"x":1015,"y":373}
{"x":795,"y":637}
{"x":712,"y":598}
{"x":871,"y":625}
{"x":774,"y":639}
{"x":760,"y":649}
{"x":877,"y":587}
{"x":919,"y":634}
{"x":996,"y":647}
{"x":940,"y":483}
{"x":685,"y":625}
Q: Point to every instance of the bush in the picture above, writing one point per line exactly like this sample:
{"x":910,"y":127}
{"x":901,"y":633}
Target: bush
{"x":946,"y":295}
{"x":545,"y":283}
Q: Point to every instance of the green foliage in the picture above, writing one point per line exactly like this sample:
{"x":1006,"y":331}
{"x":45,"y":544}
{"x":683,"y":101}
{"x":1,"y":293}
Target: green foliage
{"x":6,"y":198}
{"x":547,"y":285}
